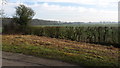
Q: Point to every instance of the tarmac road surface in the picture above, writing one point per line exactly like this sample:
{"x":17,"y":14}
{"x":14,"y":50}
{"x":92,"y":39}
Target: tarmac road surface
{"x":15,"y":59}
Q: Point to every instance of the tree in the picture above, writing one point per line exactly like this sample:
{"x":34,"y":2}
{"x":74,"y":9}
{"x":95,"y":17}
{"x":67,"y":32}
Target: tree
{"x":23,"y":16}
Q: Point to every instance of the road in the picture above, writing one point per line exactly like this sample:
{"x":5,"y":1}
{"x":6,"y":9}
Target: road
{"x":15,"y":59}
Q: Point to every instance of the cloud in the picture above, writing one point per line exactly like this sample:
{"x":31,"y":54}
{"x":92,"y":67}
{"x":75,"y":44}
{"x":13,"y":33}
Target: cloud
{"x":100,"y":3}
{"x":86,"y":2}
{"x":69,"y":13}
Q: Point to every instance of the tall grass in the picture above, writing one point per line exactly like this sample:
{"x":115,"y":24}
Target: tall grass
{"x":98,"y":35}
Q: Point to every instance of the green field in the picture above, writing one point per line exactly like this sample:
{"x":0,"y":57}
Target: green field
{"x":83,"y":25}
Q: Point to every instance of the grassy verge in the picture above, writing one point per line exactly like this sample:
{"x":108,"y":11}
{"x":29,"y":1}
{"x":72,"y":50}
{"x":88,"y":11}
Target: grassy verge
{"x":70,"y":51}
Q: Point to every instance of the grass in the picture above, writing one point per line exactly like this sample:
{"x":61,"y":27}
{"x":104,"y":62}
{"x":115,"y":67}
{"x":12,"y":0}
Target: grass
{"x":83,"y":54}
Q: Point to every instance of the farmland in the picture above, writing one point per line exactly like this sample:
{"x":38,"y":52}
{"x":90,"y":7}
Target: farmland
{"x":82,"y":45}
{"x":83,"y":54}
{"x":85,"y":45}
{"x":99,"y":35}
{"x":86,"y":37}
{"x":82,"y":25}
{"x":78,"y":45}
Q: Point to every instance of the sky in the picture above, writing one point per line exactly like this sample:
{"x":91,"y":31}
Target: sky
{"x":68,"y":10}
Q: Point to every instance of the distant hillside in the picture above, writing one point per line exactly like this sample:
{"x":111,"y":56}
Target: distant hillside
{"x":43,"y":22}
{"x":33,"y":22}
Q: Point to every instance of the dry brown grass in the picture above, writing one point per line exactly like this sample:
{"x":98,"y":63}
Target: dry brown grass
{"x":61,"y":43}
{"x":70,"y":48}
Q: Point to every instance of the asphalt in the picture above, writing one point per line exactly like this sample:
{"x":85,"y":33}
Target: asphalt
{"x":15,"y":59}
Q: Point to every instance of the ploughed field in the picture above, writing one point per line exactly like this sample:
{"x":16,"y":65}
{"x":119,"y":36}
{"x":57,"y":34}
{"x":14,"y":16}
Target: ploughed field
{"x":83,"y":54}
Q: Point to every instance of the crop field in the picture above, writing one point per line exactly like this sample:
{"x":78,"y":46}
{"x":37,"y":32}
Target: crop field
{"x":83,"y":54}
{"x":97,"y":35}
{"x":82,"y":45}
{"x":82,"y":25}
{"x":106,"y":35}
